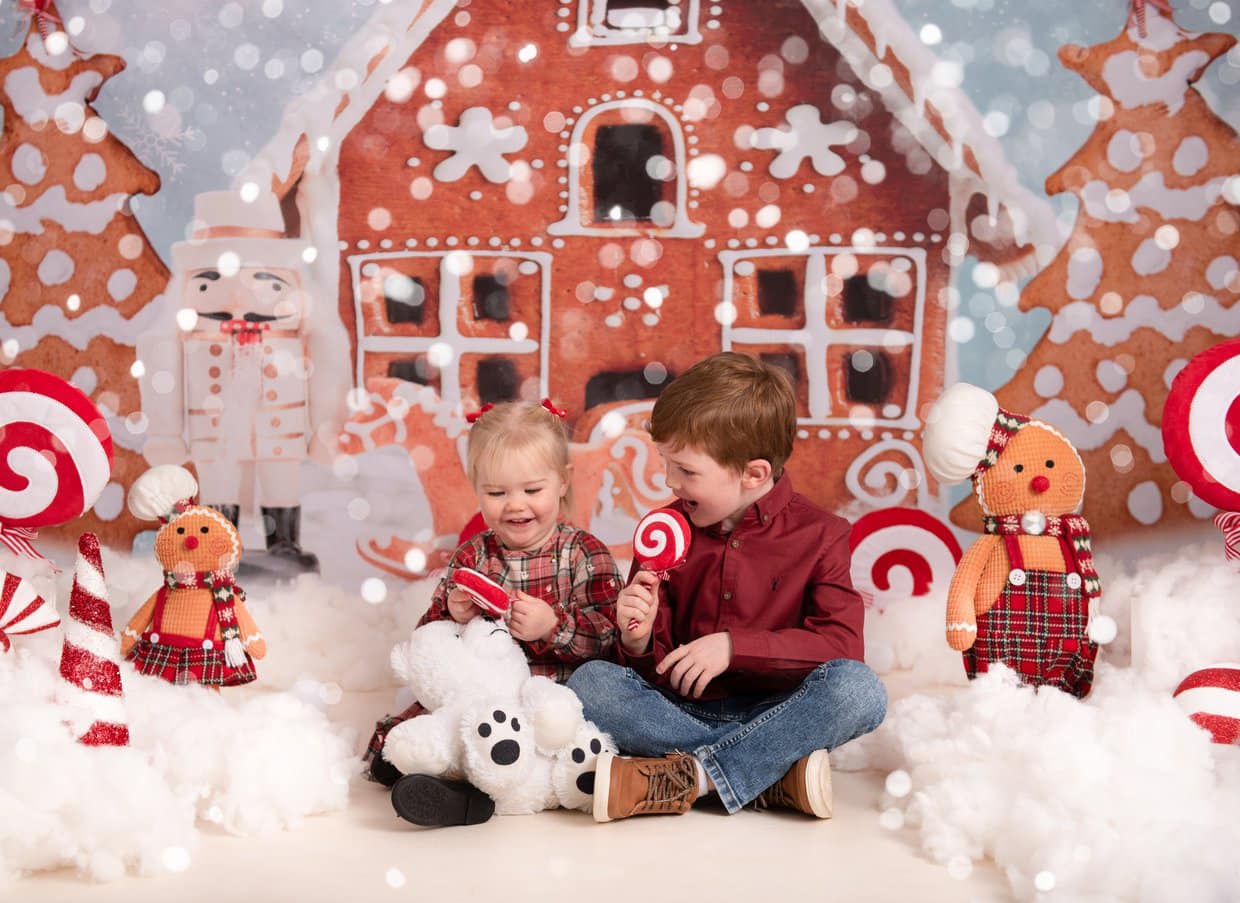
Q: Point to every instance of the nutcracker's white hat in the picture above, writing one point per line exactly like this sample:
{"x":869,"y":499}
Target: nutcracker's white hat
{"x":253,"y":230}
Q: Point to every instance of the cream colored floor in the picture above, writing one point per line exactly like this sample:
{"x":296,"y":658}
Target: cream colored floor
{"x":705,"y":855}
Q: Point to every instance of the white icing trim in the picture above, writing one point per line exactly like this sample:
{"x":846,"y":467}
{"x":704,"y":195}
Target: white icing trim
{"x":962,"y":626}
{"x":253,"y":638}
{"x":1125,"y":413}
{"x":133,"y":634}
{"x":102,"y":320}
{"x":593,"y":30}
{"x":1142,"y":312}
{"x":35,"y":105}
{"x":91,"y":216}
{"x":879,"y":474}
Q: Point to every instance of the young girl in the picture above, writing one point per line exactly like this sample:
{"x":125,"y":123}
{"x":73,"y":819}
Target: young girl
{"x":563,"y":580}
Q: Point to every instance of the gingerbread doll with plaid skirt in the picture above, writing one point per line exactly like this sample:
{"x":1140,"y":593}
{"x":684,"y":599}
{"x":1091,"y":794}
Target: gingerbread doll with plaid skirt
{"x":196,"y":627}
{"x":1022,"y":593}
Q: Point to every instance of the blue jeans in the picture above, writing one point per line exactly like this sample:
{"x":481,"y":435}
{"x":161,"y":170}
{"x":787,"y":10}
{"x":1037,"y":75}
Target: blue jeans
{"x":745,"y":743}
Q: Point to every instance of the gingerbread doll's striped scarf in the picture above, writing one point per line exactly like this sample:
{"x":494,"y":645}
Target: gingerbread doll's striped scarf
{"x":1073,"y":527}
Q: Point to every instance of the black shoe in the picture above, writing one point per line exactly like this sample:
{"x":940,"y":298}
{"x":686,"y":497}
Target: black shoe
{"x":231,"y":512}
{"x":384,"y":772}
{"x":283,"y":528}
{"x":436,"y":803}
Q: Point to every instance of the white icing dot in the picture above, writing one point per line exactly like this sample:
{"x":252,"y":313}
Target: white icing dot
{"x":1145,"y":503}
{"x":1150,"y":257}
{"x":5,"y":276}
{"x":1084,"y":272}
{"x":122,"y":283}
{"x":1111,"y":376}
{"x":29,"y":164}
{"x":1124,"y":151}
{"x":1190,"y":156}
{"x":90,"y":172}
{"x":1221,"y":271}
{"x":85,"y":379}
{"x":1049,"y":381}
{"x":110,"y":501}
{"x":55,"y":268}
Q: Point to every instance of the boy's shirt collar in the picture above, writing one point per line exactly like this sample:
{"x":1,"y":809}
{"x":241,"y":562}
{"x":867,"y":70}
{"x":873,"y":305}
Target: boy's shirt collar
{"x":759,"y":513}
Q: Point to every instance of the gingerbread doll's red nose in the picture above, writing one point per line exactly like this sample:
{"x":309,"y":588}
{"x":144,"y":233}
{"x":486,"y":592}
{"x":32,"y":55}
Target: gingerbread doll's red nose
{"x":1040,"y":483}
{"x":191,"y":542}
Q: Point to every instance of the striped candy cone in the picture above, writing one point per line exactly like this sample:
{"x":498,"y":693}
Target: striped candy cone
{"x":90,"y":656}
{"x":1229,"y":523}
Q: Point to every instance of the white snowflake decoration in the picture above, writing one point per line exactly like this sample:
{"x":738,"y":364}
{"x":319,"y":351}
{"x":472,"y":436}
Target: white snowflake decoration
{"x":806,"y":136}
{"x":475,"y":142}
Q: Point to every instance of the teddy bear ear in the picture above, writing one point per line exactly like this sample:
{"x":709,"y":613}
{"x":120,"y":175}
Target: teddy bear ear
{"x":154,"y":495}
{"x":957,"y":431}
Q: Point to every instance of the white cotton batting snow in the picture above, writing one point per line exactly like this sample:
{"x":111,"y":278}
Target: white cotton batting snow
{"x":1117,"y":797}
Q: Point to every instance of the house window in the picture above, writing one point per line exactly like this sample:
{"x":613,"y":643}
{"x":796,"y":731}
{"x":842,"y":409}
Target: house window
{"x":864,"y":301}
{"x":497,"y":380}
{"x":636,"y":22}
{"x":413,"y":370}
{"x":867,"y":376}
{"x":789,"y":363}
{"x":777,"y":292}
{"x":490,"y":296}
{"x":625,"y":188}
{"x":290,"y":211}
{"x":404,"y":299}
{"x":621,"y":385}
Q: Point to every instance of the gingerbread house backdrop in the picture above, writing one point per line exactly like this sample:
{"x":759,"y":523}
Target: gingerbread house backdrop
{"x":584,"y":200}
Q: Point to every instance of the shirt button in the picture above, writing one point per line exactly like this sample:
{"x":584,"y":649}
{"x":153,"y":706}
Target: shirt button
{"x":727,"y":596}
{"x":208,"y":645}
{"x":736,"y":543}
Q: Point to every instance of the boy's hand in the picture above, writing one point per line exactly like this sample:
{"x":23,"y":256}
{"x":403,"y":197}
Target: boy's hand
{"x":461,"y":606}
{"x":532,"y":619}
{"x":694,"y":665}
{"x":636,"y":607}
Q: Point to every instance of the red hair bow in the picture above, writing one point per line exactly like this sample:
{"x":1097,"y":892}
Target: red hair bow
{"x":473,"y":416}
{"x":546,"y":403}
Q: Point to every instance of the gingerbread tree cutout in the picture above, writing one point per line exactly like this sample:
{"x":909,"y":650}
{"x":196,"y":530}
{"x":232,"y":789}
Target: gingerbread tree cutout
{"x":1149,"y":276}
{"x":77,"y":274}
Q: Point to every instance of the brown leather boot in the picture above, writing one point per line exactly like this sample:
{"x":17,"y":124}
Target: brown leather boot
{"x":806,"y":787}
{"x":624,"y":786}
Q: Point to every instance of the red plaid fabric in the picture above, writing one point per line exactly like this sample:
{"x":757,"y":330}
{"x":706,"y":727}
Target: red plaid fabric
{"x":1038,"y":627}
{"x":189,"y":665}
{"x":573,"y":572}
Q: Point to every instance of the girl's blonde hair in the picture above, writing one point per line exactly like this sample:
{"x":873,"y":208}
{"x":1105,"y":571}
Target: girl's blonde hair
{"x":519,"y":427}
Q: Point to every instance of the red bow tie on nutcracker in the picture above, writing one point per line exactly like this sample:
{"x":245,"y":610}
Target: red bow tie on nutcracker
{"x":244,"y":332}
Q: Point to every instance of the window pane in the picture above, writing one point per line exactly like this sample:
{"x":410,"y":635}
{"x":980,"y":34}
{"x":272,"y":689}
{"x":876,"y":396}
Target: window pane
{"x":414,"y":370}
{"x":491,"y":300}
{"x":624,"y":190}
{"x":777,"y":292}
{"x":864,"y":302}
{"x":403,"y":298}
{"x":867,"y":376}
{"x":497,"y":380}
{"x":629,"y":385}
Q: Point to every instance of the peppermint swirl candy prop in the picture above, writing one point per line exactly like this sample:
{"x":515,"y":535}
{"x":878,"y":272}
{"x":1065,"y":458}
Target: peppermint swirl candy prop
{"x":487,"y":594}
{"x":22,"y":610}
{"x":55,"y":455}
{"x":901,"y":552}
{"x":1201,"y":427}
{"x":1211,"y":698}
{"x":660,"y":543}
{"x":1229,"y":523}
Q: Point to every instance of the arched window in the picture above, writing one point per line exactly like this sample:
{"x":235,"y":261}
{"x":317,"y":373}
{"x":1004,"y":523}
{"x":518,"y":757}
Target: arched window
{"x":626,"y":173}
{"x":636,"y":22}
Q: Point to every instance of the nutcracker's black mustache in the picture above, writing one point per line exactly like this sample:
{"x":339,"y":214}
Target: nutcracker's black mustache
{"x":225,"y":315}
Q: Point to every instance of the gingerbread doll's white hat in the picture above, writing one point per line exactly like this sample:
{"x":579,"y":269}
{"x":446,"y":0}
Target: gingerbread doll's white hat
{"x":225,"y":222}
{"x":162,"y":493}
{"x":965,"y":432}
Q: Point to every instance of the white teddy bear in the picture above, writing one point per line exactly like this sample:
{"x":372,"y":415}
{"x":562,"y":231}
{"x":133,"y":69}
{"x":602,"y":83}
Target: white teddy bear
{"x":522,"y":740}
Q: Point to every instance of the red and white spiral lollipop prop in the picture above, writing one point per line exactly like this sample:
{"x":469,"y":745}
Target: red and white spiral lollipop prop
{"x":901,"y":552}
{"x":487,"y":594}
{"x":55,"y":455}
{"x":1201,"y":433}
{"x":660,"y":543}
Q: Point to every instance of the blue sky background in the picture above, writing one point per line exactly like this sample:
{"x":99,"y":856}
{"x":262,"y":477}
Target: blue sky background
{"x":226,"y":71}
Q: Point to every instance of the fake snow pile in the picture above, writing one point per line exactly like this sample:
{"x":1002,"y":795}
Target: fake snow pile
{"x":1118,"y":797}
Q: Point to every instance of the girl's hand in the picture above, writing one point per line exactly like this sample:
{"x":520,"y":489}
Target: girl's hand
{"x":461,"y":606}
{"x":532,"y":619}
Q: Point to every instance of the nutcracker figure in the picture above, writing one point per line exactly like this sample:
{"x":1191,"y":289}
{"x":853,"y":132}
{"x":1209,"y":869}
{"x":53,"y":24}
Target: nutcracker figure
{"x":256,"y":374}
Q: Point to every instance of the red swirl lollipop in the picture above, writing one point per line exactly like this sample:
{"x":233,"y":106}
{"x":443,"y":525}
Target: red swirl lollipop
{"x":1201,"y":425}
{"x":55,"y":454}
{"x":660,"y":543}
{"x":487,"y":594}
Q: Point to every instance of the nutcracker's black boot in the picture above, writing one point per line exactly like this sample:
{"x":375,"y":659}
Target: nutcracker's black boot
{"x":283,"y":527}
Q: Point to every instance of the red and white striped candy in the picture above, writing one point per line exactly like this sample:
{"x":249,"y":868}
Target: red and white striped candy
{"x":22,"y":610}
{"x":901,"y":552}
{"x":487,"y":594}
{"x":55,"y":450}
{"x":1201,"y":425}
{"x":1211,"y":697}
{"x":1229,"y":523}
{"x":661,"y":541}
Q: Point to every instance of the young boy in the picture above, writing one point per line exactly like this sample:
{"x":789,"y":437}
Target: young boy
{"x":745,"y":666}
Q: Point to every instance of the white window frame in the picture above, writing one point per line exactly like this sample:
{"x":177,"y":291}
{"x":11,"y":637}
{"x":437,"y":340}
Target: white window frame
{"x":576,"y":223}
{"x":593,"y":30}
{"x":449,"y":304}
{"x":816,"y":336}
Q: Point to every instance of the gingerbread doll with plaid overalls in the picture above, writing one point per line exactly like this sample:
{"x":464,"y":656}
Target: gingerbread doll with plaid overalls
{"x":1021,"y":594}
{"x":196,"y":627}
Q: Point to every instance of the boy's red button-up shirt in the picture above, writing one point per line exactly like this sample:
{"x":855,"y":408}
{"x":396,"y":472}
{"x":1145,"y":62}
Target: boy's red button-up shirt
{"x":779,"y":583}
